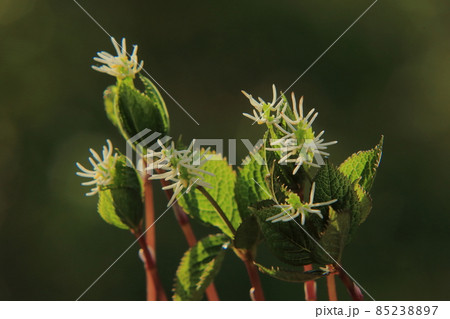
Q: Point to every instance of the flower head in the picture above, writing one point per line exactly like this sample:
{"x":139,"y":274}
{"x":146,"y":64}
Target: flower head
{"x":263,"y":112}
{"x":181,"y":167}
{"x":328,"y":269}
{"x":102,"y":168}
{"x":299,"y":145}
{"x":119,"y":66}
{"x":295,"y":207}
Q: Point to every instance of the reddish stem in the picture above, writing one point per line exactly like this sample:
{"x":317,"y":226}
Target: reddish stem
{"x":149,"y":237}
{"x":256,"y":292}
{"x":352,"y":288}
{"x":331,"y":285}
{"x":151,"y":272}
{"x":185,"y":225}
{"x":180,"y":215}
{"x":310,"y":286}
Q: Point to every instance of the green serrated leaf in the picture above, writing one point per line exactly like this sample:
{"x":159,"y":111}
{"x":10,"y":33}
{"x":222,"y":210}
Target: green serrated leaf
{"x":248,"y":234}
{"x":223,"y":181}
{"x":250,"y":183}
{"x":109,"y":97}
{"x":121,"y":203}
{"x":281,"y":174}
{"x":136,"y":111}
{"x":365,"y":202}
{"x":334,"y":238}
{"x":362,"y":166}
{"x":332,"y":184}
{"x":152,"y":92}
{"x":286,"y":240}
{"x":198,"y":267}
{"x":107,"y":209}
{"x":290,"y":275}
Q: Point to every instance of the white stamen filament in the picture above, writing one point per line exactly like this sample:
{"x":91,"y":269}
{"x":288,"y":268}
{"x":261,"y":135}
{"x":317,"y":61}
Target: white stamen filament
{"x":290,"y":212}
{"x":100,"y":175}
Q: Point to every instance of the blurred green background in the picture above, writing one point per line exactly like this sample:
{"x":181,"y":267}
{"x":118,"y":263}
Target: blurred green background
{"x":388,"y":75}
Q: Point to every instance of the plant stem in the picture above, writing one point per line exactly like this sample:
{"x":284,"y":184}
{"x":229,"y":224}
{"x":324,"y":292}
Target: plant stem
{"x":211,"y":293}
{"x":256,"y":292}
{"x":331,"y":285}
{"x":352,"y":288}
{"x":153,"y":281}
{"x":183,"y":221}
{"x":310,"y":286}
{"x":180,"y":215}
{"x":185,"y":225}
{"x":150,"y":235}
{"x":218,"y":209}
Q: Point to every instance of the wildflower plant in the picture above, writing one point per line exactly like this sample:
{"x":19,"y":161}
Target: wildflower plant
{"x":101,"y":173}
{"x":286,"y":193}
{"x":178,"y":168}
{"x":119,"y":66}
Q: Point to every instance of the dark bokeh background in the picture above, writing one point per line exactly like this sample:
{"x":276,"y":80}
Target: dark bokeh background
{"x":388,"y":75}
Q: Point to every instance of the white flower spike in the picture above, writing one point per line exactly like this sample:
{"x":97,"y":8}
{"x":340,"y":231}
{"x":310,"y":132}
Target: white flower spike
{"x":294,"y":207}
{"x":263,"y":111}
{"x":119,"y":66}
{"x":298,"y":114}
{"x":178,"y":167}
{"x":101,"y":173}
{"x":299,"y":140}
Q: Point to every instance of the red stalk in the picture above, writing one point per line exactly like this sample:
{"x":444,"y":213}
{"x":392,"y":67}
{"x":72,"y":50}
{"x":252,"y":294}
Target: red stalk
{"x":256,"y":292}
{"x":185,"y":225}
{"x":155,"y":290}
{"x":352,"y":288}
{"x":331,"y":285}
{"x":310,"y":286}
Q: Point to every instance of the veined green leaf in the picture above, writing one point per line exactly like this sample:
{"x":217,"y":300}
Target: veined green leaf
{"x":223,"y":181}
{"x":290,"y":275}
{"x":332,"y":184}
{"x":281,"y":175}
{"x":250,"y":183}
{"x":334,"y":238}
{"x":248,"y":234}
{"x":287,"y":240}
{"x":362,"y":166}
{"x":198,"y":267}
{"x":109,"y":97}
{"x":152,"y":92}
{"x":121,"y":203}
{"x":107,"y":209}
{"x":136,"y":111}
{"x":365,"y":202}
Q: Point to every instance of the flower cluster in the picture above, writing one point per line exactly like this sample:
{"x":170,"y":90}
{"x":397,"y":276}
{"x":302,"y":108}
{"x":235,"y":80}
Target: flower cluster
{"x":293,"y":135}
{"x":181,"y":167}
{"x":263,"y":111}
{"x":119,"y":66}
{"x":296,"y":142}
{"x":295,"y":207}
{"x":102,"y":168}
{"x":299,"y":140}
